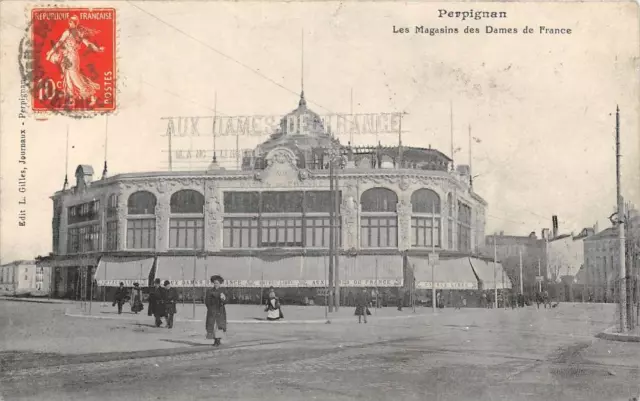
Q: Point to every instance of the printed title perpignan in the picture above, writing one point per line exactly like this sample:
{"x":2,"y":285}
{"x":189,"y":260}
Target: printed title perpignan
{"x":471,"y":14}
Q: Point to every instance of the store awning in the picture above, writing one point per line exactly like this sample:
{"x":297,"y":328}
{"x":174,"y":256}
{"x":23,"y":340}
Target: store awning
{"x":485,"y":272}
{"x":371,"y":271}
{"x":113,"y":270}
{"x":450,"y":274}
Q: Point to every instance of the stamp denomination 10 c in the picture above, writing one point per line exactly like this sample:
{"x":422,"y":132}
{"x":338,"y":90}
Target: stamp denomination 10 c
{"x":74,"y":59}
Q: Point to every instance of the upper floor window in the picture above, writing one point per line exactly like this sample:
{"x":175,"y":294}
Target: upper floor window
{"x":379,"y":224}
{"x":379,"y":200}
{"x":425,"y":201}
{"x":88,"y":211}
{"x":187,"y":201}
{"x":141,"y":202}
{"x":112,"y":205}
{"x":425,"y":226}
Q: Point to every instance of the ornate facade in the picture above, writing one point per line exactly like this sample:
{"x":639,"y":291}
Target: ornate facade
{"x":390,"y":201}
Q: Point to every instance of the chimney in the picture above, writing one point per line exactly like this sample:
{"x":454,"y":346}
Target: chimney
{"x":554,"y":221}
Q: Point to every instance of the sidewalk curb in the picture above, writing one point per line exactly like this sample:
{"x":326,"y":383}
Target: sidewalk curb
{"x":611,"y":335}
{"x":36,"y":300}
{"x":248,"y":321}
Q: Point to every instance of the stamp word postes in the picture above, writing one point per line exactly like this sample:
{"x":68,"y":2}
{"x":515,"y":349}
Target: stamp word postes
{"x":74,"y":59}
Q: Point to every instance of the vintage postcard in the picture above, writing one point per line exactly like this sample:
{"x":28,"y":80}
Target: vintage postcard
{"x":319,"y":200}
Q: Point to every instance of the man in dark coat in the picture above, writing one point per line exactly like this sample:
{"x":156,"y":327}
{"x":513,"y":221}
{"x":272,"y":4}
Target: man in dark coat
{"x":170,"y":299}
{"x":216,"y":322}
{"x":156,"y":306}
{"x":121,"y":297}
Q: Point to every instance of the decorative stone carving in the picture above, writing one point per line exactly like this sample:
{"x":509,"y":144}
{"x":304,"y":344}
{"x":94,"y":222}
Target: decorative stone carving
{"x":213,"y":219}
{"x":281,"y":169}
{"x":304,"y":174}
{"x":404,"y":210}
{"x":349,"y":213}
{"x":404,"y":183}
{"x":162,"y":225}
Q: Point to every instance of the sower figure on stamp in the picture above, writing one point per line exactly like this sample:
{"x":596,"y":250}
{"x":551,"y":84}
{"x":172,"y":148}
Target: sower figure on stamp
{"x":120,"y":297}
{"x":170,"y":300}
{"x":216,"y":323}
{"x":66,"y":54}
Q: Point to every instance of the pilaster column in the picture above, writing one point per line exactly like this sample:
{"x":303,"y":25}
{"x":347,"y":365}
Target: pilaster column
{"x":122,"y":222}
{"x":213,"y":218}
{"x":349,"y":218}
{"x":163,"y":210}
{"x":63,"y":231}
{"x":404,"y":225}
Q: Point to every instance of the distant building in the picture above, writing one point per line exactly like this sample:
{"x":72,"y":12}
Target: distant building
{"x":508,"y":249}
{"x":566,"y":258}
{"x":602,"y":259}
{"x":601,"y":253}
{"x":23,"y":276}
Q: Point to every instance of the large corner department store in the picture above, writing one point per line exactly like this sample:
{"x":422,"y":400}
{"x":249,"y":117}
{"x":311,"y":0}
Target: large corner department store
{"x":267,"y":224}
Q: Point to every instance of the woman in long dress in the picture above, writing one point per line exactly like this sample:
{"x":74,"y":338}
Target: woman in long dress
{"x":66,"y":53}
{"x":274,"y":312}
{"x":216,"y":323}
{"x":136,"y":299}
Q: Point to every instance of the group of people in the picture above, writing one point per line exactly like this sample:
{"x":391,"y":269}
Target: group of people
{"x":134,"y":297}
{"x":163,"y":300}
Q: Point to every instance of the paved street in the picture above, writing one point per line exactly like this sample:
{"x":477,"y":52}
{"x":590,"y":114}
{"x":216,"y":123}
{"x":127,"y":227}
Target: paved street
{"x":473,"y":354}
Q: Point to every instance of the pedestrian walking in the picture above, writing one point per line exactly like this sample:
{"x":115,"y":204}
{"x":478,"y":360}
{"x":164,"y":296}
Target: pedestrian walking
{"x":120,"y":297}
{"x":156,"y":305}
{"x":273,"y":309}
{"x":216,"y":322}
{"x":400,"y":299}
{"x":362,"y":303}
{"x":136,"y":299}
{"x":170,"y":299}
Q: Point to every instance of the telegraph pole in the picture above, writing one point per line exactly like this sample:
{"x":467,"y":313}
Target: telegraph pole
{"x":495,"y":262}
{"x":621,"y":255}
{"x":521,"y":283}
{"x":338,"y":236}
{"x":331,"y":236}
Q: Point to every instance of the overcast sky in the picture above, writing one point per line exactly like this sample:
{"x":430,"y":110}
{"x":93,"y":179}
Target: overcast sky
{"x":542,"y":105}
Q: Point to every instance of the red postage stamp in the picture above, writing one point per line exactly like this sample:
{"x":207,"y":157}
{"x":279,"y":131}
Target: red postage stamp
{"x":74,"y":59}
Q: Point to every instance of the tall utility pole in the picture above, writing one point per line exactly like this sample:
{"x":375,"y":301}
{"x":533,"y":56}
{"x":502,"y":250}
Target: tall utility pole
{"x":521,"y":282}
{"x":495,"y":263}
{"x":337,"y":237}
{"x":331,"y":235}
{"x":621,"y":254}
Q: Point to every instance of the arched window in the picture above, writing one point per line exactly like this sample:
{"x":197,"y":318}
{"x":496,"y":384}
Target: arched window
{"x":426,"y":222}
{"x":187,"y":201}
{"x":141,"y":202}
{"x":379,"y":200}
{"x":425,"y":201}
{"x":187,"y":232}
{"x":379,"y":221}
{"x":141,"y":231}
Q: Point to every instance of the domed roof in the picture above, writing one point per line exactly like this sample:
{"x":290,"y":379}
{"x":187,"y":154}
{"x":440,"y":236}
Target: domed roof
{"x":301,"y":128}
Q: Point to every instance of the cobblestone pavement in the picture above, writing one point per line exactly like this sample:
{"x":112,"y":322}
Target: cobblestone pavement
{"x":457,"y":355}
